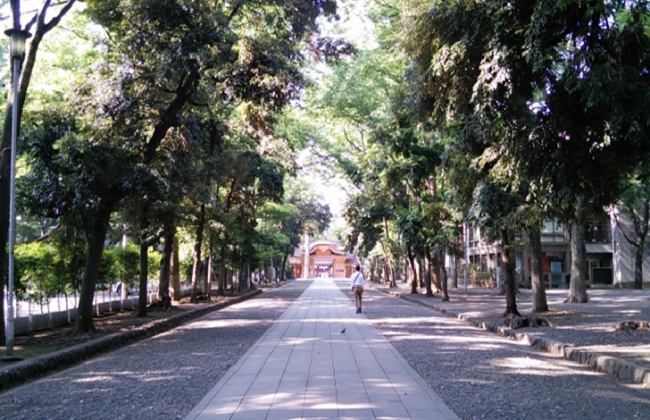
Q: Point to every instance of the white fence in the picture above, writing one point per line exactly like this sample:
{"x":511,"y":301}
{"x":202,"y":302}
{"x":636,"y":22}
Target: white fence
{"x":60,"y":310}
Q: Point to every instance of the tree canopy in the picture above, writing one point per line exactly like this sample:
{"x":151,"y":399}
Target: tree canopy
{"x":156,"y":119}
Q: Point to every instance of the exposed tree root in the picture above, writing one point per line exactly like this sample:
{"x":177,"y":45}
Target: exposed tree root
{"x":533,"y":321}
{"x":575,"y":299}
{"x":629,"y":326}
{"x":511,"y":312}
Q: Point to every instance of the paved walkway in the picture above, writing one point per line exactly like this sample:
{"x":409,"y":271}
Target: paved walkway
{"x":321,"y":360}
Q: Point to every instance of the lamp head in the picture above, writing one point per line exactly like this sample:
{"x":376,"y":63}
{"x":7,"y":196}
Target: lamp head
{"x":17,"y":43}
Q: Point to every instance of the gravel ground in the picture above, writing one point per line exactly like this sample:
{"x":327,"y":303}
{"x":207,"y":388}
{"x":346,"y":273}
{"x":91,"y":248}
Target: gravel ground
{"x":478,"y":374}
{"x":587,"y":327}
{"x":163,"y":377}
{"x":481,"y":375}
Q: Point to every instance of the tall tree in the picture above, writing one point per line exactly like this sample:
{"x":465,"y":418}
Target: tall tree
{"x":587,"y":139}
{"x":472,"y":80}
{"x":521,"y":83}
{"x":44,"y":20}
{"x":166,"y":60}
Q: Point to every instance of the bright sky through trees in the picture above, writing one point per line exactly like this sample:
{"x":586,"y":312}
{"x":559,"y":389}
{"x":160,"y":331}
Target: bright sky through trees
{"x":355,"y":27}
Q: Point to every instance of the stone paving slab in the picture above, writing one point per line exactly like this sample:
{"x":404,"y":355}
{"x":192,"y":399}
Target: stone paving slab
{"x":321,"y":360}
{"x":580,"y":332}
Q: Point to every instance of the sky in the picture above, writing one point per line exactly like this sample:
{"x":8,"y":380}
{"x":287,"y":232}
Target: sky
{"x":355,"y":27}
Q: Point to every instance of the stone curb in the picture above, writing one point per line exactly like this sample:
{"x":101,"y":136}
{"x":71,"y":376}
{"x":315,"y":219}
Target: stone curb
{"x":618,"y":368}
{"x":39,"y":366}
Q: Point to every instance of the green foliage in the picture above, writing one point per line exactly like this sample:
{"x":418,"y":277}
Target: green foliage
{"x":44,"y":270}
{"x":127,"y":263}
{"x":154,"y":259}
{"x":71,"y":251}
{"x":185,"y":269}
{"x":35,"y":277}
{"x":281,"y":226}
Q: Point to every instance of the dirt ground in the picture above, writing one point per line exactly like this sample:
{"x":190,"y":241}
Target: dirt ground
{"x":38,"y":343}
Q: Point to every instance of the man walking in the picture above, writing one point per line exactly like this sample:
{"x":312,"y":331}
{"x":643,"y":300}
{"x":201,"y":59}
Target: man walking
{"x":358,"y":283}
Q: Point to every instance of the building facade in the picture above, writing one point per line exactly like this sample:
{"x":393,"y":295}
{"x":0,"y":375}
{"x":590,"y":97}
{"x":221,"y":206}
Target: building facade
{"x":610,"y":256}
{"x":324,"y":259}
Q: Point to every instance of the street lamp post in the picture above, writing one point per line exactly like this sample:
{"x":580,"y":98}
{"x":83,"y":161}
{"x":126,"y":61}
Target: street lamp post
{"x":16,"y":51}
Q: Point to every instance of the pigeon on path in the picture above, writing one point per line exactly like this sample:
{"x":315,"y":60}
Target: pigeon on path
{"x":343,"y":331}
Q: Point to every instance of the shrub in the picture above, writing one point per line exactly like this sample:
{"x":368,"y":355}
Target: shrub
{"x":36,"y":278}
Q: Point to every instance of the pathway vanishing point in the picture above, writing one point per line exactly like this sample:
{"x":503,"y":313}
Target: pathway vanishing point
{"x":321,"y":360}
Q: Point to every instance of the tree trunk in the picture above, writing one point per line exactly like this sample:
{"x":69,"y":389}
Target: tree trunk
{"x":5,"y":154}
{"x":443,"y":277}
{"x":407,"y":272}
{"x":414,"y":279}
{"x":233,"y":258}
{"x":537,"y":276}
{"x":283,"y":271}
{"x":198,"y":243}
{"x":165,"y":271}
{"x":221,"y":281}
{"x":456,"y":270}
{"x":390,"y":273}
{"x":638,"y":263}
{"x":509,"y":283}
{"x":642,"y":233}
{"x":228,"y":279}
{"x":373,"y":268}
{"x":96,"y":238}
{"x":419,"y":265}
{"x":578,"y":287}
{"x":240,"y":275}
{"x":386,"y":244}
{"x":209,"y":268}
{"x":386,"y":270}
{"x":249,"y":283}
{"x":144,"y":277}
{"x":175,"y":269}
{"x":436,"y":284}
{"x":427,"y":272}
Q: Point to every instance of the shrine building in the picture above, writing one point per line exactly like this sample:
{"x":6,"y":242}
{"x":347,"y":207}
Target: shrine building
{"x":325,"y":259}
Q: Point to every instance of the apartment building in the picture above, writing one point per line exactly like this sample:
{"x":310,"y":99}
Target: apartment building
{"x":610,"y":257}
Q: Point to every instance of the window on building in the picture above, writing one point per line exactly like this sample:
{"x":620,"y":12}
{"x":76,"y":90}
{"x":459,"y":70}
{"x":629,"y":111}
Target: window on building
{"x":552,"y":231}
{"x":552,"y":227}
{"x":598,"y":232}
{"x":472,"y":236}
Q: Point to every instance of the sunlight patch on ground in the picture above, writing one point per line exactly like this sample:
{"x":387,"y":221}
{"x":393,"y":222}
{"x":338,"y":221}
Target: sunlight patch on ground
{"x":91,"y":379}
{"x":297,"y":341}
{"x":417,"y":320}
{"x":223,"y":409}
{"x":583,"y":327}
{"x":334,"y":321}
{"x":536,"y":367}
{"x":219,"y":323}
{"x":629,"y":311}
{"x":640,"y":349}
{"x":337,"y":406}
{"x":474,"y":381}
{"x":254,"y":303}
{"x":468,"y":343}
